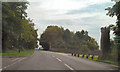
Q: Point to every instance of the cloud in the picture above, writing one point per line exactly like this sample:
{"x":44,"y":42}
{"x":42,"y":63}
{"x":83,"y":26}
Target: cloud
{"x":75,"y":15}
{"x":92,"y":8}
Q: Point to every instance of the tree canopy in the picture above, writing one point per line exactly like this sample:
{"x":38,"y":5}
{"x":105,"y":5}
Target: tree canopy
{"x":58,"y":37}
{"x":115,"y":11}
{"x":18,"y":30}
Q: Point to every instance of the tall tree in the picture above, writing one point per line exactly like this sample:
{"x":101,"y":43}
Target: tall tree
{"x":115,"y":11}
{"x":18,"y":32}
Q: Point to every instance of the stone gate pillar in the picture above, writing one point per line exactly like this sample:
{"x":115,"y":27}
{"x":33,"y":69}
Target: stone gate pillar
{"x":105,"y":43}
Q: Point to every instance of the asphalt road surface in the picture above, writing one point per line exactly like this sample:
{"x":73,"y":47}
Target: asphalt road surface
{"x":46,"y":60}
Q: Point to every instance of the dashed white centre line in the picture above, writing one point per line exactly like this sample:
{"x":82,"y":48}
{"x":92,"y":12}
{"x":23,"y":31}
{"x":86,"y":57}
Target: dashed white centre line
{"x":69,"y":67}
{"x":53,"y":56}
{"x":64,"y":64}
{"x":59,"y":59}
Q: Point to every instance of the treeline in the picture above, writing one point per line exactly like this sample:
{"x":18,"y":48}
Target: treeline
{"x":18,"y":31}
{"x":58,"y":37}
{"x":115,"y":45}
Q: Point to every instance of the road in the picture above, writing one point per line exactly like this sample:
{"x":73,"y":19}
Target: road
{"x":46,"y":60}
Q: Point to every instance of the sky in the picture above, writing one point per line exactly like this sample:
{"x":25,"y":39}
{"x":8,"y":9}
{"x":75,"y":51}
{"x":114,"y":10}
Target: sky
{"x":89,"y":15}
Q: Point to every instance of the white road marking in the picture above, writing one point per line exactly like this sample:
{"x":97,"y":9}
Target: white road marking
{"x":111,"y":69}
{"x":59,"y":59}
{"x":5,"y":67}
{"x":21,"y":59}
{"x":69,"y":67}
{"x":53,"y":56}
{"x":15,"y":59}
{"x":13,"y":63}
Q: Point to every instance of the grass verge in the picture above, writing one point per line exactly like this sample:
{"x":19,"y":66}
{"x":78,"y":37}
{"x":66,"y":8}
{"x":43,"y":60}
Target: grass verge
{"x":17,"y":54}
{"x":109,"y":62}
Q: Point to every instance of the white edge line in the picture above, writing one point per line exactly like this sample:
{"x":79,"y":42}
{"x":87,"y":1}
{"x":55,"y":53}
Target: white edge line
{"x":53,"y":56}
{"x":15,"y":59}
{"x":12,"y":63}
{"x":69,"y":67}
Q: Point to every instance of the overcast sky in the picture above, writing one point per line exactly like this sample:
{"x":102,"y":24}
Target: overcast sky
{"x":75,"y":15}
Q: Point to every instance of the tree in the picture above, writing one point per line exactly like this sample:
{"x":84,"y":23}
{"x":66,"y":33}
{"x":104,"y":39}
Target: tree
{"x":58,"y":37}
{"x":52,"y":36}
{"x":115,"y":11}
{"x":18,"y":32}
